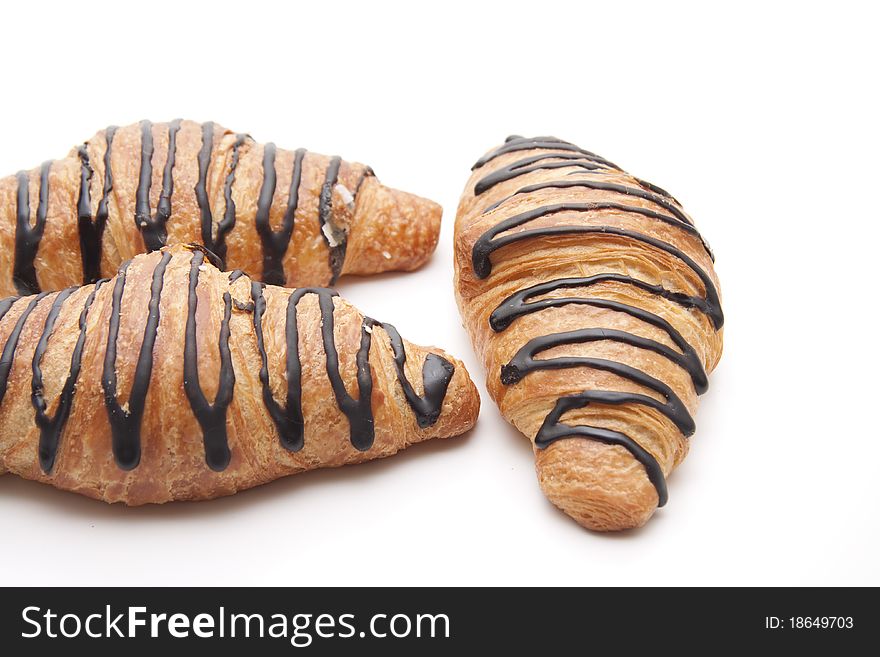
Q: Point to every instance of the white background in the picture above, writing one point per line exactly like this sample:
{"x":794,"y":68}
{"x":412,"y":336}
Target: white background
{"x":762,"y":119}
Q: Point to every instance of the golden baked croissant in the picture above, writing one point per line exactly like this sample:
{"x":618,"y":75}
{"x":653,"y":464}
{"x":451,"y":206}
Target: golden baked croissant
{"x":292,"y":217}
{"x":176,"y":381}
{"x":592,"y":300}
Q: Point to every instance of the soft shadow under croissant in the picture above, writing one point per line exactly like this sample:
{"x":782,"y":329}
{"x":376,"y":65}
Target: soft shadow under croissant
{"x":177,"y":381}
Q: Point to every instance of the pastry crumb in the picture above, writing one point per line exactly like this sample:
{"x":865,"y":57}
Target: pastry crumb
{"x":347,"y":196}
{"x":328,"y":233}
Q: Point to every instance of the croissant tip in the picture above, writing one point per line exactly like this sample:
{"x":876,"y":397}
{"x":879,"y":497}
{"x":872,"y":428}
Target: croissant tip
{"x":599,"y":486}
{"x":394,"y":230}
{"x":461,"y":407}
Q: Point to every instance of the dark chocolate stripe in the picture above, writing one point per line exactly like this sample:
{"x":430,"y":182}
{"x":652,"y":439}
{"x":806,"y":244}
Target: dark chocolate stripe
{"x":52,"y":427}
{"x":91,"y":233}
{"x":539,"y":143}
{"x":211,"y":417}
{"x":681,"y":219}
{"x":289,"y":419}
{"x":163,"y":208}
{"x":142,"y":212}
{"x":217,"y":244}
{"x":489,"y":242}
{"x":524,"y":363}
{"x":651,"y":187}
{"x":274,"y":242}
{"x":368,"y":173}
{"x":688,"y":359}
{"x":126,"y":424}
{"x":84,"y":200}
{"x":358,"y":411}
{"x":436,"y":374}
{"x":522,"y":167}
{"x":205,"y":215}
{"x":7,"y":357}
{"x":153,"y":227}
{"x":552,"y":430}
{"x":6,"y":304}
{"x":517,"y":304}
{"x":27,"y":236}
{"x":325,"y":211}
{"x":642,"y":183}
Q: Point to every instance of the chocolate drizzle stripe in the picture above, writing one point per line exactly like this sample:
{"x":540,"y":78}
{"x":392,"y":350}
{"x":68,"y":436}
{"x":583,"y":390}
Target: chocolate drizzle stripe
{"x":687,"y":359}
{"x":368,"y":173}
{"x":552,"y":430}
{"x":84,"y":202}
{"x":490,"y":242}
{"x":274,"y":242}
{"x":651,"y":187}
{"x":634,"y":209}
{"x":163,"y":208}
{"x":6,"y":304}
{"x":7,"y":357}
{"x":211,"y":417}
{"x":514,"y":143}
{"x":271,"y":265}
{"x":91,"y":233}
{"x":524,"y":362}
{"x":153,"y":227}
{"x":28,"y":236}
{"x":358,"y":411}
{"x":217,"y":244}
{"x":51,"y":428}
{"x":325,"y":211}
{"x":288,"y":419}
{"x":681,"y":219}
{"x":204,"y":159}
{"x":517,"y":304}
{"x":126,"y":424}
{"x":642,"y":183}
{"x":532,"y":164}
{"x":436,"y":374}
{"x":142,"y":212}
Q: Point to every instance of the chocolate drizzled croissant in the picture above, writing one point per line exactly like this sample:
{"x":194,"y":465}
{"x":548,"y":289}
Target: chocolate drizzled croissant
{"x":290,"y":217}
{"x":592,"y":301}
{"x":174,"y":380}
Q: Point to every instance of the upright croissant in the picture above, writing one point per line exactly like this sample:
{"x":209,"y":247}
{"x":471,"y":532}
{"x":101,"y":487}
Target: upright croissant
{"x":290,"y":217}
{"x":176,"y":381}
{"x":592,"y":300}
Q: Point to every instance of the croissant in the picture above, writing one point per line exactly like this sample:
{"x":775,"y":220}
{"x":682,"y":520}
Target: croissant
{"x":292,"y":217}
{"x":176,"y":381}
{"x":592,"y":301}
